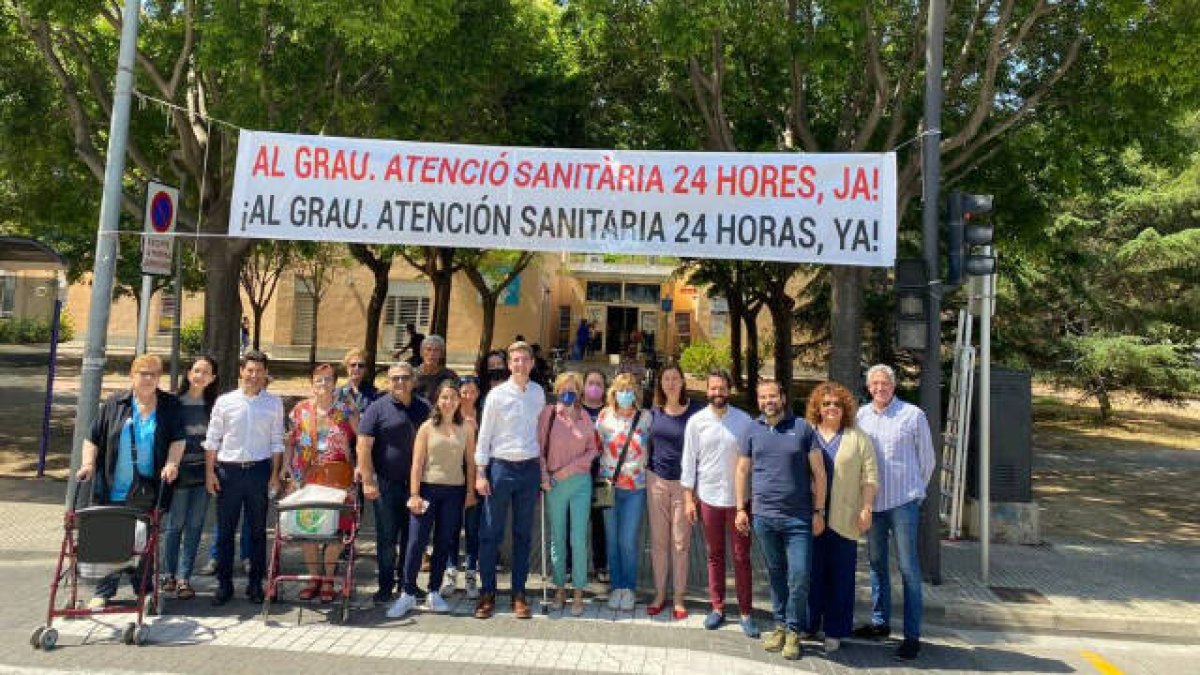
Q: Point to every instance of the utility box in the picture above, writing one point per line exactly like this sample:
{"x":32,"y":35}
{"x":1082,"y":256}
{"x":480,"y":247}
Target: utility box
{"x":1012,"y":438}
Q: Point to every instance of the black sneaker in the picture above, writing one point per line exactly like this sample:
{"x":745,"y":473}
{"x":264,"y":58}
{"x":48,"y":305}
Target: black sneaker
{"x":908,"y":650}
{"x":382,"y":597}
{"x":871,"y":631}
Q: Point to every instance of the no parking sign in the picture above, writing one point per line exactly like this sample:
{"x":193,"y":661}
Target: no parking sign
{"x":162,"y":204}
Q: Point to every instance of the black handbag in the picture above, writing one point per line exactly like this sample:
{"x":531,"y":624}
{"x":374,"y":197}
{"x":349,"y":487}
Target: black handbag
{"x":143,"y":492}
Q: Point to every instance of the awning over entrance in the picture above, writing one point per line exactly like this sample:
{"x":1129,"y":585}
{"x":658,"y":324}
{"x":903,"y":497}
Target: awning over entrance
{"x":22,"y":253}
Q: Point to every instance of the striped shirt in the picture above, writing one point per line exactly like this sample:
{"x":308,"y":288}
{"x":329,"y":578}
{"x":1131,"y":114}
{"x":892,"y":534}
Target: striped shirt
{"x":904,"y":448}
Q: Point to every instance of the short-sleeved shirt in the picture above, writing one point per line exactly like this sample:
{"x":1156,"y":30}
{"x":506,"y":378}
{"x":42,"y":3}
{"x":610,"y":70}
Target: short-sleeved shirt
{"x":666,"y":440}
{"x":780,"y":474}
{"x":394,"y":426}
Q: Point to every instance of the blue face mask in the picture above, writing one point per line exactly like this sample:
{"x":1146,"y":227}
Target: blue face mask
{"x":568,"y":397}
{"x":625,"y":399}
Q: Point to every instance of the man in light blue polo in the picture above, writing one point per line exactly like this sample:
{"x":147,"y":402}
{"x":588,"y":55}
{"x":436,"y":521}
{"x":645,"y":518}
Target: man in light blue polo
{"x":904,"y":447}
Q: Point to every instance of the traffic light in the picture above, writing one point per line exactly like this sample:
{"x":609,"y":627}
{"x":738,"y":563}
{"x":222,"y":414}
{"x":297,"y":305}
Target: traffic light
{"x":968,"y":227}
{"x":912,"y":314}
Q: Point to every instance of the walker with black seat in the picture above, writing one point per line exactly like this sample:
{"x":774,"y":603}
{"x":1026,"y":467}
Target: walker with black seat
{"x":98,"y":540}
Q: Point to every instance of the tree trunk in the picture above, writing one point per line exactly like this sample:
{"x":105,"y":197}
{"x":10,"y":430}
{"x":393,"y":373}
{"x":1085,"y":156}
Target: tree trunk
{"x":753,"y":358}
{"x":1103,"y":399}
{"x":257,"y":311}
{"x":440,"y":264}
{"x":488,"y":302}
{"x":845,"y":365}
{"x":312,"y":332}
{"x":222,"y":305}
{"x":381,"y":269}
{"x":780,"y":305}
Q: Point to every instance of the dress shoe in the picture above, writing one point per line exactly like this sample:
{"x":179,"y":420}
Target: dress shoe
{"x":255,"y":596}
{"x":908,"y":650}
{"x":521,"y":607}
{"x":222,"y":596}
{"x":872,"y":631}
{"x":486,"y":607}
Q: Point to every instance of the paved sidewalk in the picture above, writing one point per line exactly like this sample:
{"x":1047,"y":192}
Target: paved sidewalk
{"x":1122,"y":590}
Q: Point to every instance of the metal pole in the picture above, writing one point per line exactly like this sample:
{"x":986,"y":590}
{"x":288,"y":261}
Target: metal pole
{"x":92,"y":372}
{"x":175,"y":320}
{"x":55,"y":323}
{"x":985,"y":422}
{"x":143,"y":328}
{"x":931,"y":366}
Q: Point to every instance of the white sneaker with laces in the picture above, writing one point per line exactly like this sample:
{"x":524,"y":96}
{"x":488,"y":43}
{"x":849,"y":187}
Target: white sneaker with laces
{"x":450,"y":582}
{"x":402,"y":606}
{"x":472,"y":586}
{"x":436,"y":604}
{"x":628,"y":600}
{"x":614,"y":598}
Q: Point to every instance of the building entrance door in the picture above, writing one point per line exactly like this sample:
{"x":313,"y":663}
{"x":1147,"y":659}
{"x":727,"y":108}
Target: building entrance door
{"x":620,"y":322}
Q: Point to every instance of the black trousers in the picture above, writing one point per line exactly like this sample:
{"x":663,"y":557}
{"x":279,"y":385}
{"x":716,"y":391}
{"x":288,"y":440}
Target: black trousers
{"x":243,"y":490}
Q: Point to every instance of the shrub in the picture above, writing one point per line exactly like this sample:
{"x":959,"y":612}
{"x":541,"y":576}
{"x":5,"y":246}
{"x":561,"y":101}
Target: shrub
{"x":191,"y":336}
{"x":700,"y":357}
{"x":33,"y":331}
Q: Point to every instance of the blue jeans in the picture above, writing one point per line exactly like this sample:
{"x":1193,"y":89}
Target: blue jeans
{"x":243,"y":540}
{"x":622,"y":527}
{"x":831,"y":598}
{"x":442,"y":519}
{"x":391,"y":531}
{"x":902,"y":523}
{"x":185,"y":522}
{"x":571,"y":495}
{"x":787,"y":545}
{"x":514,"y":485}
{"x":243,"y":493}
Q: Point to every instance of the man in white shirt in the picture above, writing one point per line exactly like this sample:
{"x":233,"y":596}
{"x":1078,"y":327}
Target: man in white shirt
{"x":508,"y":458}
{"x":244,"y":447}
{"x":712,"y":443}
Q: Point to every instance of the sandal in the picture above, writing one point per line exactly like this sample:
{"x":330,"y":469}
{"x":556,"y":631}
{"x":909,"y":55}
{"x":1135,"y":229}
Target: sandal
{"x":310,"y":591}
{"x":184,"y":591}
{"x":167,"y":585}
{"x":327,"y":593}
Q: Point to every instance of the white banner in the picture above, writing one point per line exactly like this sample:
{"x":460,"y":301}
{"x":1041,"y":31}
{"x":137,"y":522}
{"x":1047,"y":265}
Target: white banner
{"x":814,"y":208}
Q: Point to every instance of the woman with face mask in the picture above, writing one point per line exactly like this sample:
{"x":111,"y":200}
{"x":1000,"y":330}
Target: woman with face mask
{"x":568,"y":440}
{"x":595,"y":383}
{"x":624,"y":432}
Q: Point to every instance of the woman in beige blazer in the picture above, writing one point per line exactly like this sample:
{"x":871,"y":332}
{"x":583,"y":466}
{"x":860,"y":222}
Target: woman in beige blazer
{"x":853,"y":478}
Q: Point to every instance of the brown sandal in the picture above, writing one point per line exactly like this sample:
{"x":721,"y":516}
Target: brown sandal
{"x":167,"y":585}
{"x":184,"y":591}
{"x":310,"y":591}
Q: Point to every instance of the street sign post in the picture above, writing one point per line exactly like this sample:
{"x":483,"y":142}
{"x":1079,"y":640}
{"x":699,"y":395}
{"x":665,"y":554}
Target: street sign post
{"x":162,"y":205}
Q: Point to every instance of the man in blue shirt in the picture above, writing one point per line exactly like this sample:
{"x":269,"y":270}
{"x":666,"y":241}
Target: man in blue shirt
{"x":789,"y":485}
{"x":904,"y":446}
{"x":386,"y":434}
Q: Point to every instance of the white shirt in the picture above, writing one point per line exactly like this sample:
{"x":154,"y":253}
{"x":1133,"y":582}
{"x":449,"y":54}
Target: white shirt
{"x":508,"y":424}
{"x":245,"y":428}
{"x":710,"y":452}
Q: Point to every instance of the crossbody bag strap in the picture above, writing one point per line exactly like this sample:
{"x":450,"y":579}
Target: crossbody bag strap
{"x":624,"y":449}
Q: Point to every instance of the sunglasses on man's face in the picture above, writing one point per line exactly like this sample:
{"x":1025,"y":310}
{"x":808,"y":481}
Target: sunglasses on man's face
{"x":400,"y":378}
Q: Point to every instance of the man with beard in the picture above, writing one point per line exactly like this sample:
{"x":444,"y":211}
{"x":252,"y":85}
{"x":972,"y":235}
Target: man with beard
{"x":712,"y":441}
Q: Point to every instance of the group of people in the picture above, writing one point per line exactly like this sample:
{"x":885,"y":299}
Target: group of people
{"x":439,"y":455}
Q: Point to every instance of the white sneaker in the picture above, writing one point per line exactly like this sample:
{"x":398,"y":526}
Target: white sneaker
{"x":436,"y":604}
{"x":403,"y":605}
{"x":472,"y":585}
{"x":450,"y":582}
{"x":614,"y":598}
{"x":832,"y":645}
{"x":628,"y":600}
{"x":210,"y":568}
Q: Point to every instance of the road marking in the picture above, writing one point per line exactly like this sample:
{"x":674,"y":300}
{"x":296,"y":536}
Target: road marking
{"x":1101,"y":664}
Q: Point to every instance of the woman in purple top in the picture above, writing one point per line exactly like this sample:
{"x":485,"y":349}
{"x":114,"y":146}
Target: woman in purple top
{"x":670,"y":530}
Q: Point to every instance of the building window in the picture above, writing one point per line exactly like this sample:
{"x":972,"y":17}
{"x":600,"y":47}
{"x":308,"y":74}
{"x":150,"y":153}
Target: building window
{"x":8,"y":296}
{"x":401,"y":310}
{"x":302,"y":313}
{"x":642,"y":294}
{"x":564,"y":326}
{"x":603,"y":291}
{"x":683,"y":328}
{"x":166,"y":312}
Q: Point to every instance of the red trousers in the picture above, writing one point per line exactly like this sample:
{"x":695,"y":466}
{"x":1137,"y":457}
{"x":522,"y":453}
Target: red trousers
{"x":717,"y":522}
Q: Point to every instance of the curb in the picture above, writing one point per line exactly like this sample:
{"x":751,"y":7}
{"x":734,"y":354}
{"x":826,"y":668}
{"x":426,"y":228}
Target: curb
{"x":1038,"y":620}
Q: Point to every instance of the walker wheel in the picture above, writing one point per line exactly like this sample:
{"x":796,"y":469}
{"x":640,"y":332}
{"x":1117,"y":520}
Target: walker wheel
{"x":49,"y":639}
{"x":151,"y":606}
{"x":140,"y":634}
{"x":127,"y":635}
{"x":35,"y":640}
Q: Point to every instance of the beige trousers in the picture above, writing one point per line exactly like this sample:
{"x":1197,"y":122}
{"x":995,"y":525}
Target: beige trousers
{"x":670,"y":533}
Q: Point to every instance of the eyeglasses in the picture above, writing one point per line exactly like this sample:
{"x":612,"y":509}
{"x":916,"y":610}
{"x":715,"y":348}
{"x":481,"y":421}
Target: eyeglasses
{"x":356,"y":365}
{"x":831,"y":404}
{"x":400,"y":378}
{"x":323,"y":380}
{"x":148,"y":373}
